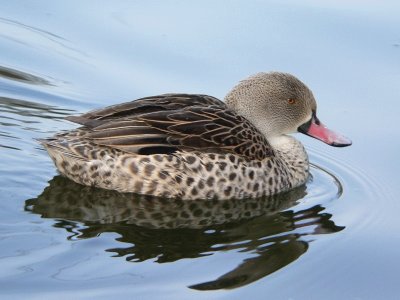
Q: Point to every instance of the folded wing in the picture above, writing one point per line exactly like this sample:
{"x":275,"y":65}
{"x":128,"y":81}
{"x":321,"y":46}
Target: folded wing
{"x":173,"y":122}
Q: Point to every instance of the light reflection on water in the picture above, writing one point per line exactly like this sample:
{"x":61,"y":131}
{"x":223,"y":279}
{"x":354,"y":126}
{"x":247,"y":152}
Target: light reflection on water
{"x":59,"y":238}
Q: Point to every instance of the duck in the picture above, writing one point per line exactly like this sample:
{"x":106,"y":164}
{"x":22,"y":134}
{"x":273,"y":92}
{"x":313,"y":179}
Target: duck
{"x":195,"y":146}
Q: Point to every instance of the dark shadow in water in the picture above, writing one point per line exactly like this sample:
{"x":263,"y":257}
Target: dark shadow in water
{"x":23,"y":108}
{"x":13,"y":74}
{"x":169,"y":230}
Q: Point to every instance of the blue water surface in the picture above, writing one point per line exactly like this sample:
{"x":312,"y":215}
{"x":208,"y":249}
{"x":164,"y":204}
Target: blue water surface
{"x":335,"y":238}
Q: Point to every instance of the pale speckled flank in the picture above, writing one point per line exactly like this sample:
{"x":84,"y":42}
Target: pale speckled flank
{"x":186,"y":175}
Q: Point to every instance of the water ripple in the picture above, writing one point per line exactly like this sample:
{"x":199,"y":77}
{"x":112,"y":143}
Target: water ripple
{"x":359,"y":192}
{"x":13,"y":74}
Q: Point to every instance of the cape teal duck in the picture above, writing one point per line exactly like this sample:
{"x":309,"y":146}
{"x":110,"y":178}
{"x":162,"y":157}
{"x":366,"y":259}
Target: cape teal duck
{"x":196,"y":146}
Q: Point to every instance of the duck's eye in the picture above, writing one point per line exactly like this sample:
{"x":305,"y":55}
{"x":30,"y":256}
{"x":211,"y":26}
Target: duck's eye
{"x":291,"y":101}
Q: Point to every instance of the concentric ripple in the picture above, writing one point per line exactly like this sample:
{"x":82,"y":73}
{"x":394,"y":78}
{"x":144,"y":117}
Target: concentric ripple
{"x":357,"y":190}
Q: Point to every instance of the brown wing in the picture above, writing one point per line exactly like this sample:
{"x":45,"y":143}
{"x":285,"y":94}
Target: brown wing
{"x":144,"y":105}
{"x":190,"y":127}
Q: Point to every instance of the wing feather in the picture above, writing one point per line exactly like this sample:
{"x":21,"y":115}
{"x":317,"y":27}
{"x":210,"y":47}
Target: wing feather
{"x":144,"y":105}
{"x":173,"y":122}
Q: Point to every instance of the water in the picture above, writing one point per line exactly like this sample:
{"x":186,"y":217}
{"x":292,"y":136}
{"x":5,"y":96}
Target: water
{"x":335,"y":238}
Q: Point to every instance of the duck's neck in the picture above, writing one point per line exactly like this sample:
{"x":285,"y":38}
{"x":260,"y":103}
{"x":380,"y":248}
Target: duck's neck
{"x":282,"y":142}
{"x":292,"y":154}
{"x":287,"y":146}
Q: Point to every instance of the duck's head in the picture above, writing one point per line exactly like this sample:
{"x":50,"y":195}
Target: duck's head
{"x":279,"y":103}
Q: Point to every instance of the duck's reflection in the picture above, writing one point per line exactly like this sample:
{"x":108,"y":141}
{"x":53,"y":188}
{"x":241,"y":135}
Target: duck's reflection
{"x":168,"y":230}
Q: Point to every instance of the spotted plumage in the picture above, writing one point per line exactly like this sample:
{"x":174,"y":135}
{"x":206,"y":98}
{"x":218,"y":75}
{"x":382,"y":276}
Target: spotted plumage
{"x":193,"y":146}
